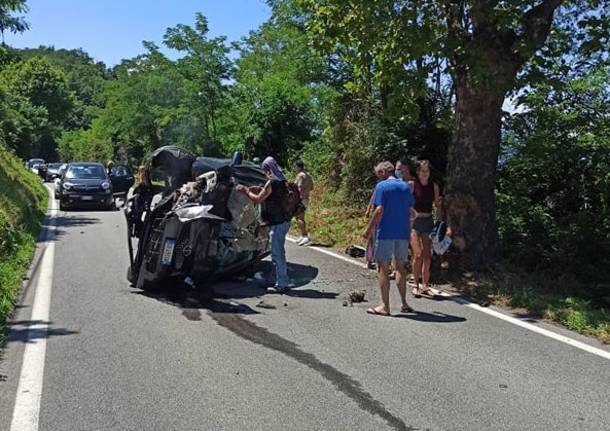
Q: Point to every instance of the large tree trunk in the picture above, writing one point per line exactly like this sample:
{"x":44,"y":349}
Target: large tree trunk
{"x":471,"y":174}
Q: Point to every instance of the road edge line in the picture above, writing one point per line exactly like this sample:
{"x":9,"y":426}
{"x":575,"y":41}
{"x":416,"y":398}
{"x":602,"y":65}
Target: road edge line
{"x":26,"y":410}
{"x":331,"y":253}
{"x":490,"y":312}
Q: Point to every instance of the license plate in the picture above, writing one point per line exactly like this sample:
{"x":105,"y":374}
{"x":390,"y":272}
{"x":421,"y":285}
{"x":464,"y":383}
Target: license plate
{"x":168,"y":252}
{"x":86,"y":198}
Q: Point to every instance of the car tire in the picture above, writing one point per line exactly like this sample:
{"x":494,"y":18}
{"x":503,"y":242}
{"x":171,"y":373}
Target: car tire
{"x":111,"y":206}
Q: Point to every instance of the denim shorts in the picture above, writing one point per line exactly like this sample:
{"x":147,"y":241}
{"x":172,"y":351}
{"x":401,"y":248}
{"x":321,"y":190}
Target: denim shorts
{"x":386,"y":248}
{"x":423,"y":225}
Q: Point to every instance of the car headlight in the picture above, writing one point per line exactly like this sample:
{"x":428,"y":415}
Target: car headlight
{"x":106,"y":185}
{"x":67,"y":186}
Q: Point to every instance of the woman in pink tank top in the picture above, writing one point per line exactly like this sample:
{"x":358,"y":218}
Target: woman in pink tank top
{"x":426,"y":195}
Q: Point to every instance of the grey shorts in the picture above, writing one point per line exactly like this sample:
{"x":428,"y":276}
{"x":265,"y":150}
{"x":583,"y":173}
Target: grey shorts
{"x":386,"y":248}
{"x":423,"y":226}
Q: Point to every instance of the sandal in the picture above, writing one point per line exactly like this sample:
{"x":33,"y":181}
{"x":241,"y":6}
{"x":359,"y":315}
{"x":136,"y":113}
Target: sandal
{"x":376,"y":312}
{"x":416,"y":293}
{"x":406,"y":309}
{"x":428,"y":292}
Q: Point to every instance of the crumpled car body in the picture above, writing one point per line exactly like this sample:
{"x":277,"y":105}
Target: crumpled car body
{"x":194,"y":227}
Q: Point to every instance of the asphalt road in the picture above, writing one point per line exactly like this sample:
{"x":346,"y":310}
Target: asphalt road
{"x":119,"y":359}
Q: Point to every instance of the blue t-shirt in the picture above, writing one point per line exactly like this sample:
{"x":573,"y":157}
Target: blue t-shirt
{"x":396,"y":198}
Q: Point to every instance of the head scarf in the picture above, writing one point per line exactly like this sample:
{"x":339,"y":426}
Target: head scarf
{"x":269,"y":164}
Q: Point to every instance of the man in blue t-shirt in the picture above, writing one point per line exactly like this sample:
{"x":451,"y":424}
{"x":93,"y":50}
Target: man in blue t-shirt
{"x":390,"y":221}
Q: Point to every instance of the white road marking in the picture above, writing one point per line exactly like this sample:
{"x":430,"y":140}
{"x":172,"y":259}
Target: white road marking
{"x":332,"y":253}
{"x":29,"y":390}
{"x":580,"y":345}
{"x":515,"y":321}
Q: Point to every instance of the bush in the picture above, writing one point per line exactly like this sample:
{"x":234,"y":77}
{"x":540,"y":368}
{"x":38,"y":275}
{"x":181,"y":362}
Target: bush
{"x":23,"y":201}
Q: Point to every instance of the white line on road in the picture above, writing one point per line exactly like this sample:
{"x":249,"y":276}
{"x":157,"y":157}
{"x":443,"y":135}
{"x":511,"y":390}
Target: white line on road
{"x":530,"y":326}
{"x":332,"y":253}
{"x":515,"y":321}
{"x":29,"y":390}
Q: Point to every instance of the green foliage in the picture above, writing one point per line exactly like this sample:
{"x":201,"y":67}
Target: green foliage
{"x":205,"y":67}
{"x":85,"y":78}
{"x":8,"y":20}
{"x":84,"y":145}
{"x":23,"y":201}
{"x":554,"y":182}
{"x":39,"y":102}
{"x":43,"y":85}
{"x":278,"y":103}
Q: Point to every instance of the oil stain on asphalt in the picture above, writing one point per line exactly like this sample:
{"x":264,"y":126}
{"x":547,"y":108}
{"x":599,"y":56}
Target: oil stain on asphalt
{"x":229,"y":316}
{"x":344,"y":383}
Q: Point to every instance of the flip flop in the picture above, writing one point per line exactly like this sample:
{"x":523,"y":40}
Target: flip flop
{"x":428,"y":292}
{"x":406,"y":309}
{"x":416,"y":293}
{"x":376,"y":313}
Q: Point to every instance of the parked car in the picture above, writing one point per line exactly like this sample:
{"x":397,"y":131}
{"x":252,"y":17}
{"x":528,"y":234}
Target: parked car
{"x":53,"y":170}
{"x":122,"y":179}
{"x":191,"y":226}
{"x":85,"y":184}
{"x":34,"y":165}
{"x":42,"y":171}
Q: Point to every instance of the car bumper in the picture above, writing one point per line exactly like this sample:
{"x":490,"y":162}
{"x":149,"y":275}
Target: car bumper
{"x":105,"y":199}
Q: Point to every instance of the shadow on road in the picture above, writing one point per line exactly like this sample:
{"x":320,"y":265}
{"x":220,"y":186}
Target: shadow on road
{"x":218,"y":297}
{"x":436,"y":317}
{"x":23,"y":331}
{"x":64,"y":222}
{"x":253,"y":284}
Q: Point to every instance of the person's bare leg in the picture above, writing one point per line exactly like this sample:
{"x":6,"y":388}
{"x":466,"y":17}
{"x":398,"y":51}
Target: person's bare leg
{"x":401,"y":283}
{"x":384,"y":287}
{"x":417,"y":259}
{"x":426,"y":260}
{"x":302,"y":225}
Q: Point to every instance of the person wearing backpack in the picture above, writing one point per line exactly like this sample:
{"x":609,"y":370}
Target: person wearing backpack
{"x":276,"y":199}
{"x":304,"y":183}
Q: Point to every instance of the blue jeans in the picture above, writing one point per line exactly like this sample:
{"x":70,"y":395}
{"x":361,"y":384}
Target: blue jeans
{"x":277,"y":238}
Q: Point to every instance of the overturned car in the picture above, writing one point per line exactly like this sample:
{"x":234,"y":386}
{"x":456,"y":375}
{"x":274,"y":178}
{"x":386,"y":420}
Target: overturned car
{"x":190,"y":225}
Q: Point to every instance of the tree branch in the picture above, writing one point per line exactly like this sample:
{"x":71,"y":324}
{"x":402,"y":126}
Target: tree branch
{"x":536,"y":24}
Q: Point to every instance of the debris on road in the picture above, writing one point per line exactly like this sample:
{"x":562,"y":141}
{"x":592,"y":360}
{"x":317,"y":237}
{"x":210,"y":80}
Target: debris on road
{"x":266,"y":305}
{"x":357,"y":296}
{"x":355,"y":251}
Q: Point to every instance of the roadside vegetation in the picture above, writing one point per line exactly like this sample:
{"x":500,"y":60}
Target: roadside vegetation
{"x":343,"y":86}
{"x":23,"y":202}
{"x":542,"y":293}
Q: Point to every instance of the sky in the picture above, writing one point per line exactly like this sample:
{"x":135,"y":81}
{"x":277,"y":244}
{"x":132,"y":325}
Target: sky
{"x":110,"y":30}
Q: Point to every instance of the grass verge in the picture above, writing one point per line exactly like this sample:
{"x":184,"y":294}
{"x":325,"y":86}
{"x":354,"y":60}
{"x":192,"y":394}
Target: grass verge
{"x":550,"y":295}
{"x":23,"y":203}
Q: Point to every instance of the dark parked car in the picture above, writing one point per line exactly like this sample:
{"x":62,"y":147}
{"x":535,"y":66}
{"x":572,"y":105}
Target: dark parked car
{"x":53,"y":171}
{"x":191,"y":226}
{"x":33,"y":164}
{"x":37,"y":166}
{"x":122,"y":179}
{"x":85,"y":184}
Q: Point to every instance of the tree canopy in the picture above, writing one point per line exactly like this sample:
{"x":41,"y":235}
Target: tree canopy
{"x":343,"y":85}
